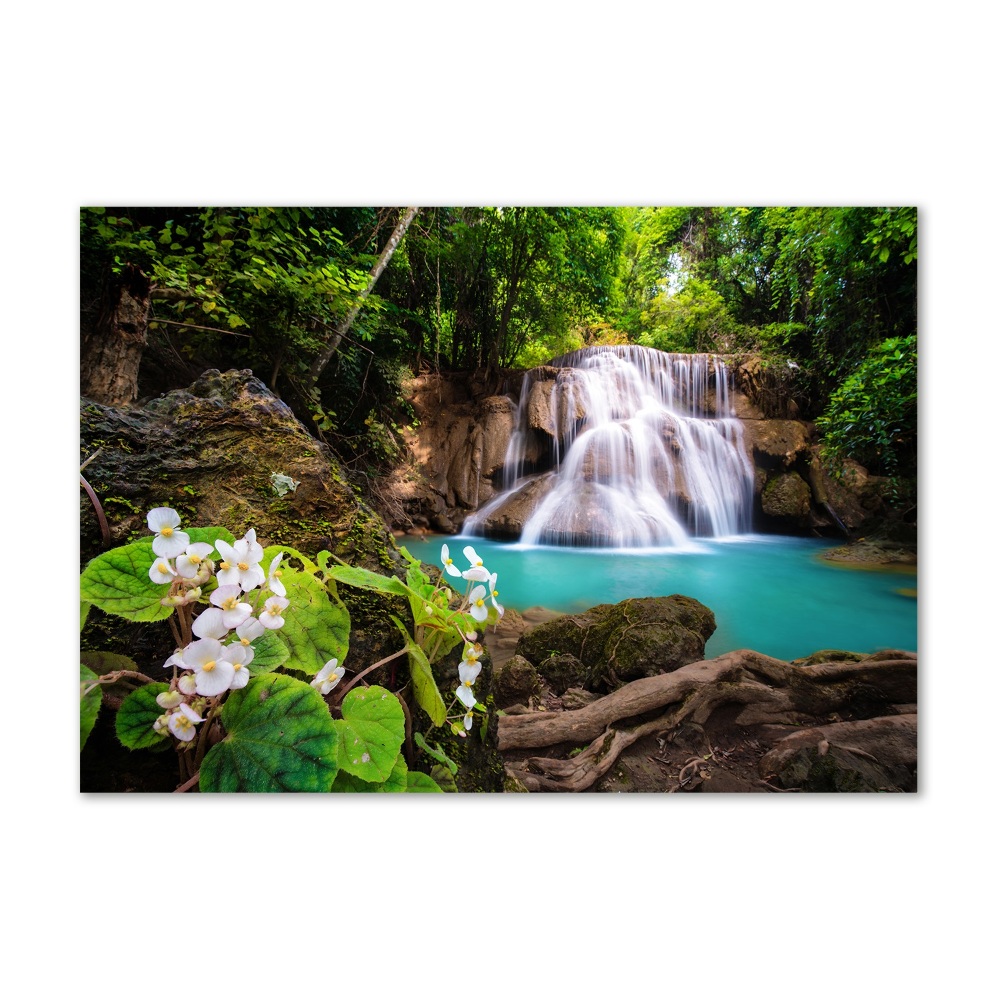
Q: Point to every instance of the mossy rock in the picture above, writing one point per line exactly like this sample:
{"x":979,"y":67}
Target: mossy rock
{"x":515,"y":682}
{"x":617,"y":643}
{"x":787,"y":496}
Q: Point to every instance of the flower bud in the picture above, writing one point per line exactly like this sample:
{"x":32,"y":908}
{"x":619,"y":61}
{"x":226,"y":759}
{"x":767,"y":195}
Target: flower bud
{"x":169,"y":699}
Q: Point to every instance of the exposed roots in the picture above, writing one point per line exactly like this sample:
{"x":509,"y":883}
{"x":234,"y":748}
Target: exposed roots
{"x":770,"y":691}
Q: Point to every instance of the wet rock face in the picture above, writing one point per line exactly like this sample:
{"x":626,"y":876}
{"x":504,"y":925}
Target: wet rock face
{"x":209,"y":451}
{"x":617,"y":643}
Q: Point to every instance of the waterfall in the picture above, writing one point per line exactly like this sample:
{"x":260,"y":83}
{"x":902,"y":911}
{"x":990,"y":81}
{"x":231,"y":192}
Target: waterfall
{"x":623,"y":446}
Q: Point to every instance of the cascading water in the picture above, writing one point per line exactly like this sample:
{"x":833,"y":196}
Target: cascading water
{"x":623,"y":446}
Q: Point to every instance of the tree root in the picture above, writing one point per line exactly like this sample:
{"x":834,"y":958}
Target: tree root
{"x":770,"y":691}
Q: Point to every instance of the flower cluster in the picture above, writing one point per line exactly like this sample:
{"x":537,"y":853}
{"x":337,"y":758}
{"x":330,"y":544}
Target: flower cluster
{"x":477,"y":601}
{"x":245,"y":603}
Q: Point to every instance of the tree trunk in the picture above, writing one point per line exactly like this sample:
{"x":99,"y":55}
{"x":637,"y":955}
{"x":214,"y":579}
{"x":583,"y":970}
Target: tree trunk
{"x":323,"y":359}
{"x":111,"y":352}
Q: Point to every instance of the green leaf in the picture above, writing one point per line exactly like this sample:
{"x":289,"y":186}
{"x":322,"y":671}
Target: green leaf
{"x":84,"y":611}
{"x":445,"y":780}
{"x":425,"y":688}
{"x":118,"y":583}
{"x":269,"y":652}
{"x":104,"y":663}
{"x":355,"y":576}
{"x":396,"y":782}
{"x":138,"y":712}
{"x":90,"y":704}
{"x":370,"y":733}
{"x":417,"y":781}
{"x":435,"y":751}
{"x":317,"y":626}
{"x":272,"y":550}
{"x":280,"y":738}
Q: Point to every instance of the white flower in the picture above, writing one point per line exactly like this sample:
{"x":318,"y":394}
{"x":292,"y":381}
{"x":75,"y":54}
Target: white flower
{"x":234,"y":612}
{"x":468,"y":719}
{"x":241,"y":562}
{"x":213,"y":673}
{"x":210,"y":624}
{"x":480,"y":574}
{"x":163,"y":522}
{"x":477,"y":603}
{"x":449,"y":564}
{"x":329,"y":677}
{"x":240,"y":657}
{"x":161,"y":571}
{"x":472,"y":556}
{"x":189,"y":563}
{"x":251,"y":629}
{"x":472,"y":652}
{"x":174,"y":661}
{"x":273,"y":572}
{"x":467,"y":677}
{"x":270,"y":617}
{"x":182,"y":722}
{"x":494,"y":594}
{"x":187,"y":684}
{"x":169,"y":699}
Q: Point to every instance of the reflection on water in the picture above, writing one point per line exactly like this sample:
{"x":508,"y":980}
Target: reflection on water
{"x":770,"y":593}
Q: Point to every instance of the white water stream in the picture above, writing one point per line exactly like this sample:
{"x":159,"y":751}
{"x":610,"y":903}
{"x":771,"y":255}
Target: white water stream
{"x":645,"y":452}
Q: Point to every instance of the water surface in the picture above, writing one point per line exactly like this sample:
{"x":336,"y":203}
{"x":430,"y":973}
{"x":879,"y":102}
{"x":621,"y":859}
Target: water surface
{"x":770,"y":593}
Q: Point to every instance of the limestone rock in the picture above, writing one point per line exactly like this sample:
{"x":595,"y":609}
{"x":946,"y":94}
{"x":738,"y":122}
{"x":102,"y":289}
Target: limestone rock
{"x":562,"y":671}
{"x":787,"y":496}
{"x":515,"y":682}
{"x":616,"y":643}
{"x":870,"y":755}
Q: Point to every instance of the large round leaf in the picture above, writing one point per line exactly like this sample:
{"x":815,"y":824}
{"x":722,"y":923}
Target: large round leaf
{"x":371,"y":733}
{"x":280,"y":738}
{"x":138,"y":712}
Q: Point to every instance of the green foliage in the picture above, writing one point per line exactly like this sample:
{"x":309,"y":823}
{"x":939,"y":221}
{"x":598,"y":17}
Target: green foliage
{"x":135,"y":718}
{"x":117,"y":581}
{"x":370,"y":734}
{"x":694,"y":319}
{"x":90,"y":702}
{"x":872,"y":415}
{"x":425,"y":688}
{"x":279,"y":738}
{"x":318,"y":626}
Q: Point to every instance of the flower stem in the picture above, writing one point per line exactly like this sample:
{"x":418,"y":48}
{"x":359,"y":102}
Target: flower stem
{"x":381,"y":663}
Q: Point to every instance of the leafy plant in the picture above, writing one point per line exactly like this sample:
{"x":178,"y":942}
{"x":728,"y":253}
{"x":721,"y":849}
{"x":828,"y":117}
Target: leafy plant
{"x":237,"y":707}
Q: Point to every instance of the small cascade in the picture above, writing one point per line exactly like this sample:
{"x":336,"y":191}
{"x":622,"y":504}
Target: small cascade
{"x":623,"y":446}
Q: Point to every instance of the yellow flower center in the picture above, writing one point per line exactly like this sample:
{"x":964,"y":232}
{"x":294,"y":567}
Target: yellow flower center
{"x":195,"y":559}
{"x":209,"y":667}
{"x":230,"y":603}
{"x":468,"y":684}
{"x":225,"y":564}
{"x":166,"y":531}
{"x":163,"y":567}
{"x":496,"y":593}
{"x":183,"y":722}
{"x":243,"y":567}
{"x":246,"y":642}
{"x":448,"y":562}
{"x":238,"y":666}
{"x":479,"y":602}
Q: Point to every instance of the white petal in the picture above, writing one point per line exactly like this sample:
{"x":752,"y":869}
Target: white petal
{"x":240,"y":679}
{"x":215,"y":681}
{"x":251,"y":629}
{"x":479,"y":573}
{"x":272,"y":621}
{"x":472,"y":556}
{"x":468,"y":720}
{"x":162,"y":517}
{"x":210,"y":624}
{"x":465,"y":696}
{"x":201,"y":651}
{"x":161,"y":571}
{"x":171,"y":546}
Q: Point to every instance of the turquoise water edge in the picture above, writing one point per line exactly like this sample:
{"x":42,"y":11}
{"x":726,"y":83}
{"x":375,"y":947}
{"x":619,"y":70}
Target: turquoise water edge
{"x":771,"y":593}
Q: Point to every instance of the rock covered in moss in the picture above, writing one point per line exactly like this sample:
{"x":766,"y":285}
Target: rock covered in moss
{"x":515,"y":682}
{"x":617,"y":643}
{"x":787,"y":496}
{"x":210,"y":452}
